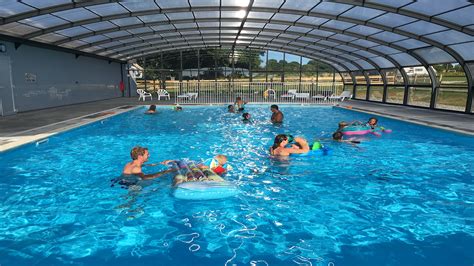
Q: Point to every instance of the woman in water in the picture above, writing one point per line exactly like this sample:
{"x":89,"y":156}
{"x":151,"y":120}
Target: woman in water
{"x":279,"y":146}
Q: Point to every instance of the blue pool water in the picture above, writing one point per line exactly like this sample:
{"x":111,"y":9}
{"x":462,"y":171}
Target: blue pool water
{"x":406,"y":198}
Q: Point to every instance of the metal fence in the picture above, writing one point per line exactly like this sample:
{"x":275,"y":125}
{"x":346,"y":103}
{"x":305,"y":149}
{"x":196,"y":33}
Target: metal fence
{"x":215,"y":92}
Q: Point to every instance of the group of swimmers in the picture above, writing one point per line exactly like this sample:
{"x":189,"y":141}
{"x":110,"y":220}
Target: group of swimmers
{"x":284,"y":145}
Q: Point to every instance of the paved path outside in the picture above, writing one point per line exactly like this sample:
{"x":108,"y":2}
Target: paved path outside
{"x":33,"y":126}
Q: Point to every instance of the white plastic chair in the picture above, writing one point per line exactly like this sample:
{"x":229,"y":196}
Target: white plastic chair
{"x":270,"y":93}
{"x":290,"y":94}
{"x":163,"y":93}
{"x":344,"y":95}
{"x":189,"y":96}
{"x":143,"y":94}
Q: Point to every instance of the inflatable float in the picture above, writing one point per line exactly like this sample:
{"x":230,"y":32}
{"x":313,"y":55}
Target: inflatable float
{"x":358,"y":128}
{"x":194,"y":183}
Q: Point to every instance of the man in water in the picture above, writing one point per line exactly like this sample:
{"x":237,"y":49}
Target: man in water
{"x":277,"y":115}
{"x":140,"y":156}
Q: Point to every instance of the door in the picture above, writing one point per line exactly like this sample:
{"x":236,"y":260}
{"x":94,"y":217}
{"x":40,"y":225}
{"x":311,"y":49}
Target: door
{"x":7,"y":101}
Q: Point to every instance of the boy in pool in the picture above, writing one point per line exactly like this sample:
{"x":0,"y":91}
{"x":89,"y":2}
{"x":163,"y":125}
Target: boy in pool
{"x":246,"y":117}
{"x":338,"y":136}
{"x":151,"y":110}
{"x":218,"y":164}
{"x":230,"y":108}
{"x":372,"y":122}
{"x":239,"y":104}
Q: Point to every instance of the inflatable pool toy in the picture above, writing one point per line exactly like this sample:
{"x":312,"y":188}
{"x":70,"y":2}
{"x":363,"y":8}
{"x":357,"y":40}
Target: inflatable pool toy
{"x":194,"y":183}
{"x":356,"y":128}
{"x":317,"y":149}
{"x":205,"y":190}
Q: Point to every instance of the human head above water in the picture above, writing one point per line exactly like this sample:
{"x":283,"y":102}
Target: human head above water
{"x":246,"y":116}
{"x":274,"y":107}
{"x":343,"y":124}
{"x":337,"y":135}
{"x":139,"y":152}
{"x":373,"y":121}
{"x":230,"y":107}
{"x":152,"y":107}
{"x":279,"y":139}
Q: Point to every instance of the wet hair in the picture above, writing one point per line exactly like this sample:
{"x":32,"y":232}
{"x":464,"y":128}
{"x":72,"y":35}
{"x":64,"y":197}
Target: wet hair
{"x":152,"y":107}
{"x":376,"y":120}
{"x":278,"y":140}
{"x":179,"y":108}
{"x":230,"y":106}
{"x":138,"y":151}
{"x":274,"y":106}
{"x":337,"y":135}
{"x":343,"y":124}
{"x":244,"y":115}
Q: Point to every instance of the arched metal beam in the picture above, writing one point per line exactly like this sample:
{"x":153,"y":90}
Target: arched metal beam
{"x":314,"y":36}
{"x":143,"y":53}
{"x":52,"y":9}
{"x":278,"y":48}
{"x":296,"y":12}
{"x":232,"y":35}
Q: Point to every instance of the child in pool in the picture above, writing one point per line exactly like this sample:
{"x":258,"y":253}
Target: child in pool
{"x":372,"y":123}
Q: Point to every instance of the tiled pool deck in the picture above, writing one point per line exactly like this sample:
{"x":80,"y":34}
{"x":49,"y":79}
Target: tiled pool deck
{"x":34,"y":126}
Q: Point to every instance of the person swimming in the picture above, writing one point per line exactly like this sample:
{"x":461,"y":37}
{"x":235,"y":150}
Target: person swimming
{"x":282,"y":140}
{"x":239,"y":104}
{"x":151,"y":110}
{"x":372,"y":123}
{"x":277,"y":115}
{"x":230,"y":108}
{"x":338,"y":136}
{"x":246,"y":118}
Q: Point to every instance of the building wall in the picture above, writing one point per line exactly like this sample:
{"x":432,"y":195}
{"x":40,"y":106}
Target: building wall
{"x":44,"y":78}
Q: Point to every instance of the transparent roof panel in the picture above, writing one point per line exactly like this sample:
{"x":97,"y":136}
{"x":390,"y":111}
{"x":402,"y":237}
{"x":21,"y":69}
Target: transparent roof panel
{"x":365,"y":53}
{"x":180,"y":15}
{"x":388,"y":36}
{"x":286,"y":17}
{"x":153,"y":18}
{"x":362,"y":13}
{"x":364,"y":64}
{"x":140,"y":30}
{"x":433,"y":7}
{"x":466,"y":50}
{"x":116,"y":34}
{"x":298,"y":29}
{"x":162,"y":28}
{"x":231,"y":24}
{"x":347,"y":48}
{"x":166,"y":4}
{"x":382,"y":62}
{"x":343,"y":38}
{"x":300,"y":5}
{"x":107,"y":9}
{"x":411,"y":44}
{"x":392,"y":20}
{"x":461,"y":16}
{"x":365,"y":43}
{"x":433,"y":55}
{"x":185,"y":25}
{"x":252,"y":25}
{"x":13,"y":8}
{"x":17,"y":29}
{"x":268,"y":3}
{"x":240,"y":3}
{"x":126,"y":21}
{"x":450,"y":37}
{"x":204,"y":3}
{"x":76,"y":14}
{"x":206,"y":14}
{"x":45,"y":3}
{"x":314,"y":21}
{"x":44,"y":21}
{"x":339,"y":25}
{"x":331,"y":8}
{"x":405,"y":59}
{"x":49,"y":38}
{"x":322,"y":33}
{"x":259,"y":15}
{"x":103,"y":25}
{"x":96,"y":38}
{"x":394,"y":3}
{"x":276,"y":26}
{"x":422,"y":28}
{"x":364,"y":30}
{"x":385,"y":49}
{"x":208,"y":24}
{"x":136,"y":6}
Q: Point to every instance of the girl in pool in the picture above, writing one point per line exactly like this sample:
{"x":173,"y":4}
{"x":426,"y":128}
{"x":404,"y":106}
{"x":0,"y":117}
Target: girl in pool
{"x":281,"y":140}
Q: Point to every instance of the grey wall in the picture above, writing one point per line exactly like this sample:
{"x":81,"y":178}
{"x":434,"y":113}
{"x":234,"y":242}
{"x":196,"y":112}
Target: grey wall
{"x":44,"y":78}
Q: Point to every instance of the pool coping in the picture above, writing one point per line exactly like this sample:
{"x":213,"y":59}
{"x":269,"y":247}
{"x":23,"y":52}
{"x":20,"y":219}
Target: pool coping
{"x":42,"y":133}
{"x":408,"y":120}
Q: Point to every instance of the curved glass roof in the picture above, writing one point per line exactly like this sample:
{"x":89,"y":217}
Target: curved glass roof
{"x":349,"y":35}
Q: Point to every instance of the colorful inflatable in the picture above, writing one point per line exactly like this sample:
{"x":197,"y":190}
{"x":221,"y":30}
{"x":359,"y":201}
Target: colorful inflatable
{"x":317,"y":149}
{"x":193,"y":183}
{"x":358,"y":128}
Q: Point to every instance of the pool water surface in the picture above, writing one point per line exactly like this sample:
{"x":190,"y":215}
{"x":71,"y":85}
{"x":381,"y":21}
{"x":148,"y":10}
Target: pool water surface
{"x":404,"y":198}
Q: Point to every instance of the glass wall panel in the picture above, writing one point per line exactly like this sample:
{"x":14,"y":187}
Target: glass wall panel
{"x":376,"y":93}
{"x":453,"y":87}
{"x":419,"y":96}
{"x":262,"y":65}
{"x":393,"y":77}
{"x":259,"y":76}
{"x":292,"y":63}
{"x":347,"y":78}
{"x":190,"y":65}
{"x":275,"y":61}
{"x":395,"y":94}
{"x":292,"y":76}
{"x":361,"y":92}
{"x":275,"y":76}
{"x":325,"y":73}
{"x":359,"y":77}
{"x":417,"y":75}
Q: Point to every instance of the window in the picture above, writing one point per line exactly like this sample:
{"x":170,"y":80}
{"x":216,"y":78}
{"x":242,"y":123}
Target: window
{"x":453,"y":87}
